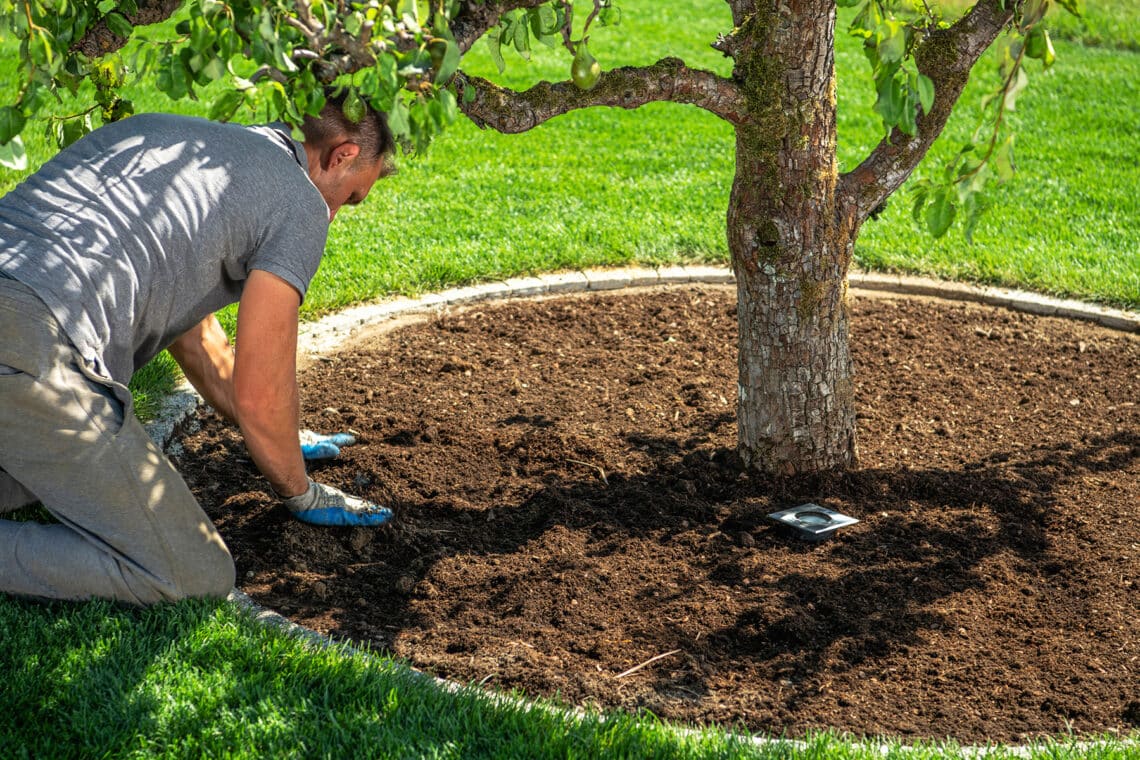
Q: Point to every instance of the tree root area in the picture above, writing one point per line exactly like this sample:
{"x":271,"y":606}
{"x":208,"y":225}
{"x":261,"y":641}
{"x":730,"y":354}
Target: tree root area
{"x":569,"y":507}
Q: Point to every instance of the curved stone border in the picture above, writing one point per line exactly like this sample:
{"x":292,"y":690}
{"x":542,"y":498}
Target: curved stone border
{"x":330,"y":332}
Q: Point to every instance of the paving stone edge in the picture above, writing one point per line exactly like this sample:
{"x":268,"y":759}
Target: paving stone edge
{"x":331,"y":331}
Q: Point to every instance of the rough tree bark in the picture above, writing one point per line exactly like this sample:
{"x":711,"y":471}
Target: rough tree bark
{"x":790,"y":248}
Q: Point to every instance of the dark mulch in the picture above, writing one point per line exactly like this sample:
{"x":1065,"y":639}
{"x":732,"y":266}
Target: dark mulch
{"x":568,"y":508}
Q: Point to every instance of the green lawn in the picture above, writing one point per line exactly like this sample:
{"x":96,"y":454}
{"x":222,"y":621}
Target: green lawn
{"x":589,"y":189}
{"x":198,"y":680}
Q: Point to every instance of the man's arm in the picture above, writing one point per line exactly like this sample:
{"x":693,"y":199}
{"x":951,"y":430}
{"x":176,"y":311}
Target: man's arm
{"x":206,"y":357}
{"x":257,"y":388}
{"x":265,"y":397}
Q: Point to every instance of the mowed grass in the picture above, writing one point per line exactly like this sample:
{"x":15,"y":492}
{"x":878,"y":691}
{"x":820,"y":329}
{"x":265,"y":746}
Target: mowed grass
{"x":198,"y":679}
{"x":593,"y":188}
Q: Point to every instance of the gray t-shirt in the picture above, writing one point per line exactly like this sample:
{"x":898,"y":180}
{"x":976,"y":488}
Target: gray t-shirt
{"x":143,"y":228}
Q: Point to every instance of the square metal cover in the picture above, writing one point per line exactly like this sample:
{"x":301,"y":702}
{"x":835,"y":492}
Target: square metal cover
{"x":811,"y":521}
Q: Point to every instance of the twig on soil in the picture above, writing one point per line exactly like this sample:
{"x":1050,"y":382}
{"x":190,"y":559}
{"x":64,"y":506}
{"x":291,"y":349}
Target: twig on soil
{"x":636,"y":668}
{"x":596,"y":467}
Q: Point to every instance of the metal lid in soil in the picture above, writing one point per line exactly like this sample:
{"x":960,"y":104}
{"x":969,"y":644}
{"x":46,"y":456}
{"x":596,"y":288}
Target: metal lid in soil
{"x":811,"y":522}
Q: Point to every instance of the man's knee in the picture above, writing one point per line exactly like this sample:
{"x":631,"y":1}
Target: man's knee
{"x":209,"y":573}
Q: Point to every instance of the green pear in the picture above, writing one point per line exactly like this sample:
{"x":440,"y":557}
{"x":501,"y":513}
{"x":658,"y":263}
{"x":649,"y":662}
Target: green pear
{"x":585,"y":70}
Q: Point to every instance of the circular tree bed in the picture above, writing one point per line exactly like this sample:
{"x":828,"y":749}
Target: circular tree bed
{"x":569,"y":507}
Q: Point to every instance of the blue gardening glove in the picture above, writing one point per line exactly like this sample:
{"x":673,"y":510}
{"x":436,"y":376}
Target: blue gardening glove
{"x":317,"y":446}
{"x":325,"y":505}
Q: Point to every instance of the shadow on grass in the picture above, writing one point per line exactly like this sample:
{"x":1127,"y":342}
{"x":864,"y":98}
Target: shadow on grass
{"x":199,"y":678}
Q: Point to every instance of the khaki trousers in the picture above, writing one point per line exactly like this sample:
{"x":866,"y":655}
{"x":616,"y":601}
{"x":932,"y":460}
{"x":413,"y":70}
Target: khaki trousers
{"x":129,"y":528}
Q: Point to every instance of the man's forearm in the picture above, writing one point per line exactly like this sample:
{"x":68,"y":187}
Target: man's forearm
{"x":265,"y":381}
{"x":270,"y":431}
{"x":207,"y":358}
{"x":267,"y":415}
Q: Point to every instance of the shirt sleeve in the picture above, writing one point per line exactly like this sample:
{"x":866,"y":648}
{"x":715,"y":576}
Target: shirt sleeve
{"x":292,"y":243}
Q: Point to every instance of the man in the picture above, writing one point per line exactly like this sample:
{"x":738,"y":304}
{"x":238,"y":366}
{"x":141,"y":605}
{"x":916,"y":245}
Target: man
{"x":122,"y":245}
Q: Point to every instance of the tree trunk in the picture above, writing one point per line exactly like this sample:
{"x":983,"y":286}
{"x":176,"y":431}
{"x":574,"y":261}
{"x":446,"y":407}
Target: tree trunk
{"x":790,"y":248}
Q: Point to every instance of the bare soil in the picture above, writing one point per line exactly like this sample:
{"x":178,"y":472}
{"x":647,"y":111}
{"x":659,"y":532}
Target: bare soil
{"x":569,"y":507}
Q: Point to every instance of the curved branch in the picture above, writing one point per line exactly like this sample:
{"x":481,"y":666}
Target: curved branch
{"x":946,"y":56}
{"x":669,"y":79}
{"x":100,"y":40}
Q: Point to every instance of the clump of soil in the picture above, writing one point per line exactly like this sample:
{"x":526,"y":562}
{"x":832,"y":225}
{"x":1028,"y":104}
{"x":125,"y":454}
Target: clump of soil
{"x":569,"y":507}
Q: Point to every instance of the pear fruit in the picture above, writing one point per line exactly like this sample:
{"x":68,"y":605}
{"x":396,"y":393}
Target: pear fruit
{"x":584,"y":71}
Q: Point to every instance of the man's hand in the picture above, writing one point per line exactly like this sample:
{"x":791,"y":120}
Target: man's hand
{"x":325,"y":505}
{"x":317,"y":446}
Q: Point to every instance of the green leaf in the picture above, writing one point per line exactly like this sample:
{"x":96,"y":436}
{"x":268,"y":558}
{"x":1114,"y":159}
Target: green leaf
{"x":891,"y":101}
{"x":398,"y":119}
{"x":522,"y":40}
{"x":171,"y":77}
{"x":450,"y":108}
{"x":214,"y":70}
{"x":40,"y":50}
{"x":226,"y":105}
{"x":1003,"y":160}
{"x":202,"y":37}
{"x":610,"y":16}
{"x":67,"y":131}
{"x":543,"y":21}
{"x":892,"y":35}
{"x":229,"y":43}
{"x":925,"y":92}
{"x":1075,"y":7}
{"x":907,"y":119}
{"x":386,"y":72}
{"x":921,"y":194}
{"x":118,"y":24}
{"x":353,"y":23}
{"x":940,"y":213}
{"x":972,"y":178}
{"x":866,"y":20}
{"x":11,"y":124}
{"x":450,"y":63}
{"x":13,"y":155}
{"x":1019,"y":83}
{"x":1032,"y":11}
{"x":495,"y":44}
{"x":974,"y":207}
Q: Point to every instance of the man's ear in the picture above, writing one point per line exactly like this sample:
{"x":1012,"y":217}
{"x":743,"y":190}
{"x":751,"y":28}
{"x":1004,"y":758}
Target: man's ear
{"x":341,"y":154}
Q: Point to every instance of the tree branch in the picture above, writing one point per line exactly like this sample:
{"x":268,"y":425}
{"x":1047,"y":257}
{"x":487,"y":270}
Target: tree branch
{"x":99,"y":40}
{"x":506,"y":110}
{"x":946,"y":56}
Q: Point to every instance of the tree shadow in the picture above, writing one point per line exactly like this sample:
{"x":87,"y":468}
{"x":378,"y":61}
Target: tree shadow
{"x":876,"y":591}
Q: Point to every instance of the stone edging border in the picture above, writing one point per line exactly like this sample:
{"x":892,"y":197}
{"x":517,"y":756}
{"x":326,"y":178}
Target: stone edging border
{"x":329,"y":332}
{"x":333,"y":330}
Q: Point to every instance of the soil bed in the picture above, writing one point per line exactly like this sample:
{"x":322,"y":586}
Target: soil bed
{"x":569,"y":507}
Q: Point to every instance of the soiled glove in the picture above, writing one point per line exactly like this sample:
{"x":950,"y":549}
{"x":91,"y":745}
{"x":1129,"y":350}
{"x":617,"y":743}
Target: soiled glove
{"x":317,"y":446}
{"x":325,"y":505}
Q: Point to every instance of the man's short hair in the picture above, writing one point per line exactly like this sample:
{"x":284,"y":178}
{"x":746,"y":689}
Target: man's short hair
{"x":371,"y":133}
